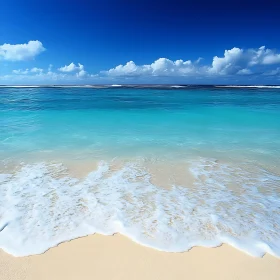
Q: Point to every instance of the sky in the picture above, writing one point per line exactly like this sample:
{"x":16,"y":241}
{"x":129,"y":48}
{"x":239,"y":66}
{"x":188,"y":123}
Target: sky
{"x":139,"y":42}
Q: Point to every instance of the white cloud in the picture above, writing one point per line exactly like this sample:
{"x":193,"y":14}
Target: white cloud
{"x":71,"y":67}
{"x":21,"y":51}
{"x":28,"y":77}
{"x":36,"y":70}
{"x":235,"y":61}
{"x":21,"y":71}
{"x":265,"y":56}
{"x":27,"y":71}
{"x":238,"y":61}
{"x":160,"y":67}
{"x":231,"y":63}
{"x":81,"y":74}
{"x":271,"y":59}
{"x":68,"y":68}
{"x":244,"y":71}
{"x":39,"y":75}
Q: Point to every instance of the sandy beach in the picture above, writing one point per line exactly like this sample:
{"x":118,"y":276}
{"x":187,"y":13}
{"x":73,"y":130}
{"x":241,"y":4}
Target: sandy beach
{"x":139,"y":140}
{"x":117,"y":257}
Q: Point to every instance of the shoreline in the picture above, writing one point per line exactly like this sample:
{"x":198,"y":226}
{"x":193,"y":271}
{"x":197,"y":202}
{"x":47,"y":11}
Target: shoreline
{"x":116,"y":257}
{"x":157,"y":205}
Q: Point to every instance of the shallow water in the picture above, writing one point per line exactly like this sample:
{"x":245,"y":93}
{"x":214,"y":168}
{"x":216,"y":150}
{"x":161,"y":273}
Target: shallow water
{"x":171,"y":168}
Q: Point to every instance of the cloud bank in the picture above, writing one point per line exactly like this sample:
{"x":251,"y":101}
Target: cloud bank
{"x":160,"y":67}
{"x":67,"y":74}
{"x":28,"y":71}
{"x":235,"y":61}
{"x":249,"y":66}
{"x":21,"y":52}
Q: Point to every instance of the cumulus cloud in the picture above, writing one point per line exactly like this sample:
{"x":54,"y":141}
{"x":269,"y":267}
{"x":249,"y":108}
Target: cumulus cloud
{"x":71,"y":67}
{"x":160,"y":67}
{"x":35,"y":74}
{"x":35,"y":78}
{"x":28,"y":71}
{"x":266,"y":56}
{"x":244,"y":71}
{"x":20,"y":52}
{"x":21,"y":71}
{"x":36,"y":70}
{"x":235,"y":61}
{"x":232,"y":62}
{"x":81,"y":73}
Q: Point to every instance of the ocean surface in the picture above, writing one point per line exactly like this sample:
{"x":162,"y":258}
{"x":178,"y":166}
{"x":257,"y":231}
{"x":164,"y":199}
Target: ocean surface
{"x":171,"y":167}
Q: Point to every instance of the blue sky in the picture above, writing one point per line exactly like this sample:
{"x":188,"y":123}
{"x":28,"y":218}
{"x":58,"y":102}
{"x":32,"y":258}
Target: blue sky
{"x":117,"y":41}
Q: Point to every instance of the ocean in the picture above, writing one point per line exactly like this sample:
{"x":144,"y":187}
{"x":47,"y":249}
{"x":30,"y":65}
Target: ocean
{"x":170,"y":167}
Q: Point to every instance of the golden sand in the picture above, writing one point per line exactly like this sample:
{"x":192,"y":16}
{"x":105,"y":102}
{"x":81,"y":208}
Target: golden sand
{"x":118,"y":258}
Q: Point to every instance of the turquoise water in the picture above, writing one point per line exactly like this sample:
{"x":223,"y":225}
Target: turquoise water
{"x":143,"y":122}
{"x":171,"y":168}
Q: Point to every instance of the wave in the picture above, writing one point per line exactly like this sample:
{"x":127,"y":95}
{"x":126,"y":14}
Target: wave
{"x":4,"y":86}
{"x":177,"y":86}
{"x":232,"y":86}
{"x":141,"y":86}
{"x":41,"y":205}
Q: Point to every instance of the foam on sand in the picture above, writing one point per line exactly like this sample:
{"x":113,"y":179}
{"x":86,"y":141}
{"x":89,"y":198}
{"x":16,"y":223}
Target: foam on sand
{"x":42,"y":206}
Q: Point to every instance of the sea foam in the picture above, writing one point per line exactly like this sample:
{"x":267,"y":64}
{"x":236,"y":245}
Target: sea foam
{"x":252,"y":86}
{"x":41,"y":205}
